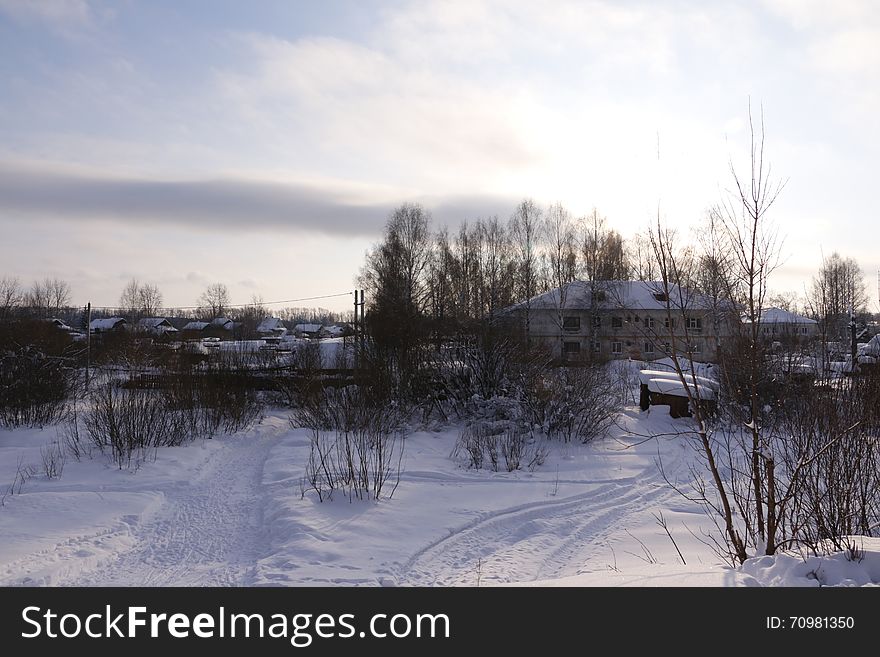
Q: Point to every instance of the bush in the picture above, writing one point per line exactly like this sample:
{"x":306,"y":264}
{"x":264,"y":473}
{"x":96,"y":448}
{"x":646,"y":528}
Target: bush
{"x":34,"y":388}
{"x":357,"y":464}
{"x":572,"y":403}
{"x":480,"y":447}
{"x":128,"y":424}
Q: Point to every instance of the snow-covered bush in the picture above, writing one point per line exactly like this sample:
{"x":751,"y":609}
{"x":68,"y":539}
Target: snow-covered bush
{"x":481,"y":446}
{"x":572,"y":403}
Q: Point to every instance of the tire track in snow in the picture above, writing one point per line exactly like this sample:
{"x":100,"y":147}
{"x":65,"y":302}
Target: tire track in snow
{"x":538,"y":540}
{"x":208,"y":533}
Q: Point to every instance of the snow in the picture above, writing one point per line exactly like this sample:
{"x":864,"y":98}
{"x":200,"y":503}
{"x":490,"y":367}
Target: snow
{"x":674,"y":387}
{"x":230,"y":511}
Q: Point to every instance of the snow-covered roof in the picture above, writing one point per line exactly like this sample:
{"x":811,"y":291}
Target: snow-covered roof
{"x":675,"y":388}
{"x":645,"y":376}
{"x":871,"y":347}
{"x":780,"y":316}
{"x":156,"y":324}
{"x":59,"y":324}
{"x":223,"y":322}
{"x":106,"y":324}
{"x":195,"y":326}
{"x":271,"y":325}
{"x":633,"y":295}
{"x":308,"y":328}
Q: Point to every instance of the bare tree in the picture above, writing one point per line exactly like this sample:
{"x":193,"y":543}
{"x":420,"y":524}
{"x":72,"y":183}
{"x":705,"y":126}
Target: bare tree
{"x":11,"y":296}
{"x":755,"y":249}
{"x":150,"y":299}
{"x":837,"y":293}
{"x":215,"y":299}
{"x":525,"y":229}
{"x":562,"y":262}
{"x":48,"y":297}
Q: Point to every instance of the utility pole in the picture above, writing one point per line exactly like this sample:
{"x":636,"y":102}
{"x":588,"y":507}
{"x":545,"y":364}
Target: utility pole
{"x":852,"y":329}
{"x":359,"y":325}
{"x":86,"y":324}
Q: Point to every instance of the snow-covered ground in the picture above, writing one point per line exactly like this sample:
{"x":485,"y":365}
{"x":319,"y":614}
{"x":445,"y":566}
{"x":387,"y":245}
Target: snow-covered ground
{"x":229,"y":511}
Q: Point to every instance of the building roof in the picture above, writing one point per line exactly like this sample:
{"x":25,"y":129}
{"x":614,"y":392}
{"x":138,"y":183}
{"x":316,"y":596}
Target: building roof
{"x":195,"y":326}
{"x":633,"y":295}
{"x":270,"y":325}
{"x":107,"y":323}
{"x":308,"y":328}
{"x":780,"y":316}
{"x":156,"y":323}
{"x":60,"y":324}
{"x":223,"y":322}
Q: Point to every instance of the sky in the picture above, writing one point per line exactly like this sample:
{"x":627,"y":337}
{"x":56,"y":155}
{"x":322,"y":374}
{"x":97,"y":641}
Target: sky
{"x":263,"y":144}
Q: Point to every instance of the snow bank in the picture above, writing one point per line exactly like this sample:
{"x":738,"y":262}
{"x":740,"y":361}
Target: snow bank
{"x":838,"y":569}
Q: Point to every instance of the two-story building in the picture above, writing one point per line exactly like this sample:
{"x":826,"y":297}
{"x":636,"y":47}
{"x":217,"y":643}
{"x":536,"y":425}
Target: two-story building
{"x":624,"y":319}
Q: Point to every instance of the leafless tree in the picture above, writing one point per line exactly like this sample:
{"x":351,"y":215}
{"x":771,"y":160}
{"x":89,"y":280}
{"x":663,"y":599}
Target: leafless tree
{"x":755,"y":249}
{"x":11,"y":296}
{"x":48,"y":297}
{"x":215,"y":299}
{"x":525,"y":229}
{"x":561,"y":256}
{"x":836,"y":294}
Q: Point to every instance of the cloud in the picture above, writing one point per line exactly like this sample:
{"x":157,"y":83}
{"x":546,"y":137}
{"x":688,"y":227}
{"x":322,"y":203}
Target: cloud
{"x":56,"y":13}
{"x":225,"y":204}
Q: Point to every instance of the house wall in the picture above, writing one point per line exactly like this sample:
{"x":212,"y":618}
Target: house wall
{"x":623,"y":333}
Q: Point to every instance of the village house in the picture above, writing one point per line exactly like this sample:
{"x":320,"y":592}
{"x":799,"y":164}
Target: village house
{"x":158,"y":326}
{"x":108,"y":325}
{"x":272,"y":327}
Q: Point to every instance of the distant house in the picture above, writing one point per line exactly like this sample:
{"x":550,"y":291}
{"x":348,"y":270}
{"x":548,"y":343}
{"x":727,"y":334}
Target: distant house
{"x":107,"y":325}
{"x":339,"y":330}
{"x":195,"y":327}
{"x":223,"y":324}
{"x":59,"y":324}
{"x":308,"y":330}
{"x":158,"y":326}
{"x":272,"y":327}
{"x":777,"y":324}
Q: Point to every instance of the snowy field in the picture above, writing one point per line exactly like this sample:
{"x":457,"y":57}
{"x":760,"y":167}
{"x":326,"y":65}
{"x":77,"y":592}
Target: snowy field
{"x":229,"y":511}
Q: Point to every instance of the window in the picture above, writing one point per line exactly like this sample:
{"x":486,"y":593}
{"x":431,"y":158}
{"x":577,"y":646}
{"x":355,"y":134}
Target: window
{"x":649,"y":322}
{"x":661,"y":296}
{"x":571,"y":347}
{"x":668,"y":323}
{"x":803,"y":330}
{"x":617,"y":322}
{"x":597,"y":320}
{"x":571,"y":323}
{"x":596,"y":347}
{"x":649,"y":348}
{"x":696,"y":348}
{"x":616,"y":348}
{"x":765,"y":330}
{"x":667,"y":348}
{"x":600,"y":296}
{"x":695,"y":324}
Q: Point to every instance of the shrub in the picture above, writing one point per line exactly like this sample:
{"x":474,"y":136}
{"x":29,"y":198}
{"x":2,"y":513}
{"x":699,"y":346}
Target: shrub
{"x":34,"y":388}
{"x":480,"y":446}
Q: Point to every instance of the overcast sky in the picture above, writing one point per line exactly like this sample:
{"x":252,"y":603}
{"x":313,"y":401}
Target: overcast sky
{"x":262,"y":144}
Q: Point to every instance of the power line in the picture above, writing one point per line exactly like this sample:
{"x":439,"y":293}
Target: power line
{"x":239,"y":305}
